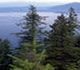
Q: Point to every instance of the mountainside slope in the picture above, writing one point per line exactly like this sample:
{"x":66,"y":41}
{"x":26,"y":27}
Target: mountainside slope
{"x":65,"y":8}
{"x":42,"y":8}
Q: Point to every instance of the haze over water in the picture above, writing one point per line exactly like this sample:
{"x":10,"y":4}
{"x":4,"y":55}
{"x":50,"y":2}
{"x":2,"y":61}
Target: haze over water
{"x":8,"y":24}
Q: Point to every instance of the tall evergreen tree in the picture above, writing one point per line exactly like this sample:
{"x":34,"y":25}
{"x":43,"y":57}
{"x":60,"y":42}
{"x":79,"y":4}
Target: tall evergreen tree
{"x":32,"y":23}
{"x":31,"y":52}
{"x":5,"y":60}
{"x":61,"y":48}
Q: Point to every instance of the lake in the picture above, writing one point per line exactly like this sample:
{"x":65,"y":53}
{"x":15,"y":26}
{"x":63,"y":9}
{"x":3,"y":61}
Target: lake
{"x":8,"y":24}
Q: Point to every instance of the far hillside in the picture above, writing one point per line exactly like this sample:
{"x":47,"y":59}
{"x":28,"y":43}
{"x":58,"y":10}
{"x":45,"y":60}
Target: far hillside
{"x":41,"y":7}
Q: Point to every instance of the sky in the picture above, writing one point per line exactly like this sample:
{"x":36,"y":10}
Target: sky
{"x":64,"y":1}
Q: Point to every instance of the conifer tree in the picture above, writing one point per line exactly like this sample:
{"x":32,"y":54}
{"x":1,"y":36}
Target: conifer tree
{"x":5,"y":60}
{"x":32,"y":23}
{"x":35,"y":62}
{"x":61,"y":48}
{"x":31,"y":52}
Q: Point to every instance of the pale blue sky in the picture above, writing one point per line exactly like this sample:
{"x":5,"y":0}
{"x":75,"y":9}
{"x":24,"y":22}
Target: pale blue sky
{"x":66,"y":1}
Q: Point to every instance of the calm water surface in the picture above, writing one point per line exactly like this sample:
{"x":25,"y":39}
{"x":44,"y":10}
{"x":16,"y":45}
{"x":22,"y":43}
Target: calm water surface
{"x":8,"y":24}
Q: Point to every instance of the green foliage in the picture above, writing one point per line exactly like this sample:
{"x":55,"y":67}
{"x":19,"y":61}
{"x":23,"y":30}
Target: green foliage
{"x":30,"y":27}
{"x":62,"y":53}
{"x":72,"y":67}
{"x":31,"y":58}
{"x":5,"y":60}
{"x":27,"y":65}
{"x":34,"y":59}
{"x":32,"y":22}
{"x":61,"y":48}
